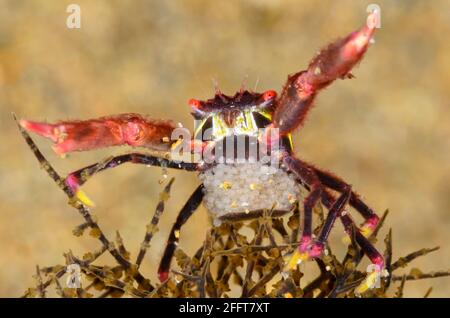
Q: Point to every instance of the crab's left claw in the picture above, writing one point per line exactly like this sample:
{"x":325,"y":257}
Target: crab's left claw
{"x":333,"y":62}
{"x":124,"y":129}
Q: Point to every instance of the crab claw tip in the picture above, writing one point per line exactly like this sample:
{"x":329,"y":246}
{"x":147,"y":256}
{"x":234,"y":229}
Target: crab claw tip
{"x":43,"y":129}
{"x":24,"y":123}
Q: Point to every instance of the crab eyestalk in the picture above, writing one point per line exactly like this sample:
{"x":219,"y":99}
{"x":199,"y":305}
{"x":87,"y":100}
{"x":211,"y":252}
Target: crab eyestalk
{"x":196,"y":108}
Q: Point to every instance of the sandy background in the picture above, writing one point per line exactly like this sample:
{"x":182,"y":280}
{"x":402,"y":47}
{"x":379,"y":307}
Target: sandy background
{"x":387,"y":131}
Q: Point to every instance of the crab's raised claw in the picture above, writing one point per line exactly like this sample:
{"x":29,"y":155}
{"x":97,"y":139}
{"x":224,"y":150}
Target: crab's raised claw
{"x":333,"y":62}
{"x":124,"y":129}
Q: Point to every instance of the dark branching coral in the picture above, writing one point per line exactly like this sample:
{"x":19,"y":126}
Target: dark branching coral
{"x":230,"y":261}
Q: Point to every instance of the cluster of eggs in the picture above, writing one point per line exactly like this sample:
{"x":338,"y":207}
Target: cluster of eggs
{"x":245,"y":187}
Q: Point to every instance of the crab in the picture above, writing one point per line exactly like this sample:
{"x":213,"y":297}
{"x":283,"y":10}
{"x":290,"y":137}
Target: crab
{"x":241,"y":186}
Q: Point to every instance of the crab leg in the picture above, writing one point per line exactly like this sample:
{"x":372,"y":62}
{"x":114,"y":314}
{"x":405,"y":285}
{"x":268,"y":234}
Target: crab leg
{"x":375,"y":257}
{"x":188,"y":209}
{"x":335,"y":61}
{"x":124,"y":129}
{"x":335,"y":211}
{"x":307,"y":248}
{"x":371,"y":252}
{"x":335,"y":183}
{"x":77,"y":178}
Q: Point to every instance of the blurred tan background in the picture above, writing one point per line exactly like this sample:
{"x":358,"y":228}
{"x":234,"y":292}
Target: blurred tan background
{"x":387,"y":131}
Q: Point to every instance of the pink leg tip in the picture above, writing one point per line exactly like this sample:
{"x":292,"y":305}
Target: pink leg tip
{"x":312,"y":249}
{"x":72,"y":182}
{"x":372,"y":222}
{"x":379,"y":261}
{"x":305,"y":244}
{"x":163,"y":276}
{"x":316,"y":250}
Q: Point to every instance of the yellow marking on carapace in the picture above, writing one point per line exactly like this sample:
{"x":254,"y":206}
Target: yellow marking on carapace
{"x":244,"y":124}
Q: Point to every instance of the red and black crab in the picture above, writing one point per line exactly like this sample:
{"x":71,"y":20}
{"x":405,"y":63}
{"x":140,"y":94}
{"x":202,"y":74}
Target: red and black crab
{"x":233,"y":189}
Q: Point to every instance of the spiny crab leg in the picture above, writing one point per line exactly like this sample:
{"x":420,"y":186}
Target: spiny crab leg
{"x":124,"y":129}
{"x":333,"y":62}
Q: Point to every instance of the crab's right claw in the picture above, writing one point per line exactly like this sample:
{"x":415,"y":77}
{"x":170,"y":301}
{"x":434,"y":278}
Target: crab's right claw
{"x":124,"y":129}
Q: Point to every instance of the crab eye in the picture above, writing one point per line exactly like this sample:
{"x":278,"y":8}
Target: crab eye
{"x":194,"y":103}
{"x":269,"y":95}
